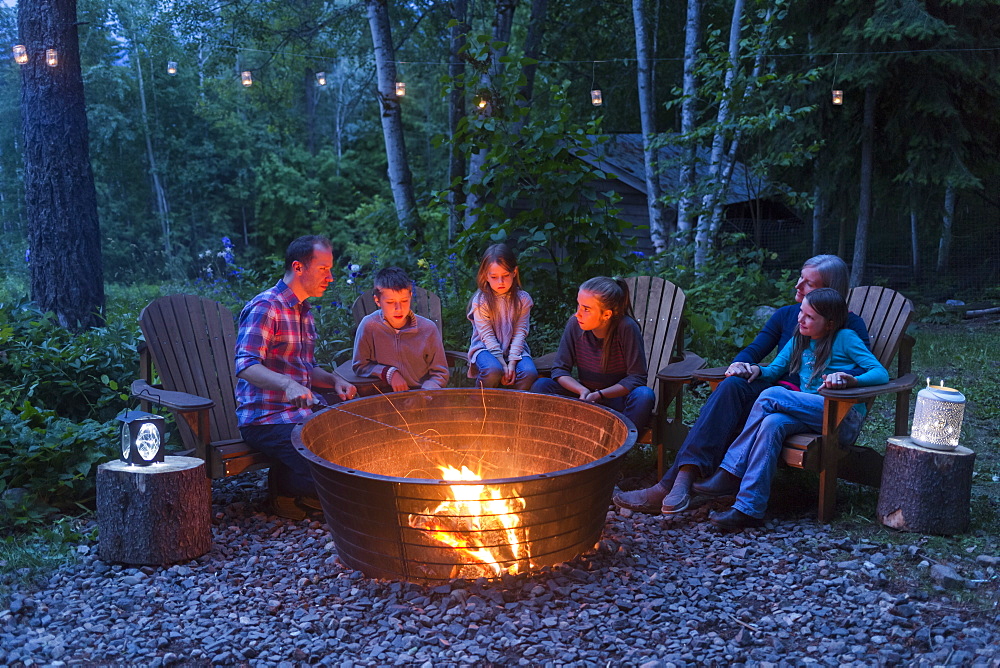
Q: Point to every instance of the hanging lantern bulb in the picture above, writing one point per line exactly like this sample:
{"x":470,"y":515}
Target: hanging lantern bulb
{"x":20,"y":54}
{"x":400,"y":89}
{"x":595,"y":97}
{"x":482,"y":103}
{"x":171,"y":67}
{"x":838,"y":97}
{"x":246,"y":78}
{"x":51,"y":57}
{"x":321,"y":78}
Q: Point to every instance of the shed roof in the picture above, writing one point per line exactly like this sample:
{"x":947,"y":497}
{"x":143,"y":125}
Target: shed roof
{"x":622,"y":156}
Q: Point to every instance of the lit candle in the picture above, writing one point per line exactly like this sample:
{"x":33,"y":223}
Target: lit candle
{"x":20,"y":54}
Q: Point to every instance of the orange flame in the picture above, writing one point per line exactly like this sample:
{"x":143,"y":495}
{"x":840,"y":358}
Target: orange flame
{"x":478,"y":522}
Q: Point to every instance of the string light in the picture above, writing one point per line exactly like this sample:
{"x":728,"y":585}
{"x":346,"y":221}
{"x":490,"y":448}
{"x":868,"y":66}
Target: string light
{"x":400,"y":89}
{"x":246,"y":78}
{"x":321,"y":78}
{"x":51,"y":57}
{"x":171,"y":67}
{"x":20,"y":54}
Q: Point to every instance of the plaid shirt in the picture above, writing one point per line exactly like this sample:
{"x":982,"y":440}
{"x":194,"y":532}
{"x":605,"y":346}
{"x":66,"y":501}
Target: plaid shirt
{"x":276,"y":330}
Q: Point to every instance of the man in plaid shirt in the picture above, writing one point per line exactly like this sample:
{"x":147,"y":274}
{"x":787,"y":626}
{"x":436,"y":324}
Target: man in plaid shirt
{"x":276,"y":368}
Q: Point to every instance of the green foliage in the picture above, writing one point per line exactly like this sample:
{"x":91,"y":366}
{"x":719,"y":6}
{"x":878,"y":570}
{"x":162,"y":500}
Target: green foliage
{"x":79,"y":376}
{"x":52,"y":458}
{"x":722,"y":296}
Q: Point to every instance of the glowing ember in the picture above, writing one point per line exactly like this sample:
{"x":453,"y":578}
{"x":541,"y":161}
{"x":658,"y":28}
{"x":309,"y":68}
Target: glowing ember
{"x":479,"y":523}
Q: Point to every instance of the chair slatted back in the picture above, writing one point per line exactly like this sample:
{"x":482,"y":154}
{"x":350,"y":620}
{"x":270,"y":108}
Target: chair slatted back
{"x":658,"y":307}
{"x":192,"y":341}
{"x":424,"y":303}
{"x":887,"y":314}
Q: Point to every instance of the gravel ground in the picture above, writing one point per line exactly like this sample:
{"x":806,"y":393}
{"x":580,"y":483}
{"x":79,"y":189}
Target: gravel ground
{"x":656,"y":592}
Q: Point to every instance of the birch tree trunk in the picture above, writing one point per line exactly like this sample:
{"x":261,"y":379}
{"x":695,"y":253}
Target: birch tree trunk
{"x":159,"y":192}
{"x":703,"y":234}
{"x":502,"y":23}
{"x":944,"y":244}
{"x":400,"y":178}
{"x":647,"y":111}
{"x":818,"y":218}
{"x":64,"y":236}
{"x":865,"y":191}
{"x":689,"y":109}
{"x":456,"y":110}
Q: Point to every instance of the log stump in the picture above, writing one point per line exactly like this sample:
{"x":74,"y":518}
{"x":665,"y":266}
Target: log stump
{"x":925,"y":490}
{"x":153,"y":515}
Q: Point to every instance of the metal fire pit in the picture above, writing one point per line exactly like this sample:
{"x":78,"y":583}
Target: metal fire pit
{"x":375,"y":462}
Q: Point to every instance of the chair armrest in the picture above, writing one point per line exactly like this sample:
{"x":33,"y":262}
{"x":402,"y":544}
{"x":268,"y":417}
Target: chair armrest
{"x":181,"y":402}
{"x":713,"y":375}
{"x":858,"y":394}
{"x":681,"y":370}
{"x":346,"y":371}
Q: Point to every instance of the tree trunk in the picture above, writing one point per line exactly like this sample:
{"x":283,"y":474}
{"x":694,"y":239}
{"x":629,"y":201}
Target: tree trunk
{"x":865,"y":192}
{"x":502,"y":23}
{"x":944,"y":244}
{"x":159,"y":192}
{"x":533,"y":49}
{"x":309,"y":85}
{"x":67,"y":275}
{"x":689,"y":109}
{"x":400,"y":177}
{"x":703,"y":234}
{"x":819,"y":214}
{"x":914,"y":240}
{"x":647,"y":115}
{"x":456,"y":111}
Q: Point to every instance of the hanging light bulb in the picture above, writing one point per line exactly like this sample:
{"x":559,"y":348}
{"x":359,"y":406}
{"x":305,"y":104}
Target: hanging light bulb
{"x":838,"y":97}
{"x":482,"y":103}
{"x":400,"y":89}
{"x":171,"y":67}
{"x":595,"y":97}
{"x":20,"y":54}
{"x":321,"y":78}
{"x":246,"y":78}
{"x":51,"y":57}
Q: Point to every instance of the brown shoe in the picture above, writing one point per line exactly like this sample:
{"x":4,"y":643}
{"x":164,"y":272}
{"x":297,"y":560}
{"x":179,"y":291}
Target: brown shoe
{"x":734,"y":520}
{"x":637,"y":500}
{"x":722,"y":483}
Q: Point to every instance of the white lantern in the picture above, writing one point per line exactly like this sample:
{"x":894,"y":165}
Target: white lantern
{"x":20,"y":54}
{"x":51,"y":57}
{"x":596,"y":98}
{"x":838,"y":97}
{"x":937,"y":418}
{"x":321,"y":78}
{"x":400,"y":88}
{"x":246,"y":78}
{"x":171,"y":67}
{"x":141,"y":438}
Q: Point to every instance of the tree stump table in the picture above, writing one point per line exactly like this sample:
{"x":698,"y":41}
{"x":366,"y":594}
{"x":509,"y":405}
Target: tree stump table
{"x":153,"y":515}
{"x":925,"y":490}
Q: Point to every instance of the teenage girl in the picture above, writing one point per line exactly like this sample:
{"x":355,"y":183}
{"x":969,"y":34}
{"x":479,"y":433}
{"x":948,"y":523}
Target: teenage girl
{"x":822,"y":352}
{"x":500,"y":312}
{"x":605,"y":345}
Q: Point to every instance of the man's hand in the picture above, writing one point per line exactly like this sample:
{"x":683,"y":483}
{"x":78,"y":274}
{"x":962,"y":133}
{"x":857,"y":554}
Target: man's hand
{"x":298,"y":394}
{"x":744,"y":370}
{"x":345,"y":390}
{"x":509,"y":373}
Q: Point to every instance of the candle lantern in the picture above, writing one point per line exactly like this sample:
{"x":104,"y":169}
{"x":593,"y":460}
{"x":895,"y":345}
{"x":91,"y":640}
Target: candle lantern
{"x":400,"y":89}
{"x":321,"y":78}
{"x":246,"y":78}
{"x":171,"y":67}
{"x":595,"y":97}
{"x":937,"y":418}
{"x":51,"y":57}
{"x":838,"y":97}
{"x":141,"y":437}
{"x":20,"y":54}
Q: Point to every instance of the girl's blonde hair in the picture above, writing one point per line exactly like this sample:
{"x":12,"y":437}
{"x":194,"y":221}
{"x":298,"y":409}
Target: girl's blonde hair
{"x":613,"y":295}
{"x":829,"y":304}
{"x":502,"y":255}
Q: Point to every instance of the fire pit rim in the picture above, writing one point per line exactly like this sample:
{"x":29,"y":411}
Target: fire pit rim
{"x":621,"y":451}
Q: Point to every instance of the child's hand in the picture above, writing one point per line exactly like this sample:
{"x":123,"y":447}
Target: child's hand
{"x":509,"y":373}
{"x":396,"y":381}
{"x":838,"y":380}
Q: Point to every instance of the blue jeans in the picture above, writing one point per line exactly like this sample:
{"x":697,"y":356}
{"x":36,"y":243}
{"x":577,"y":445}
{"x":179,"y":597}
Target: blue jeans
{"x":637,"y":405}
{"x":777,"y":414}
{"x":289,"y":474}
{"x":491,"y":371}
{"x":720,"y":421}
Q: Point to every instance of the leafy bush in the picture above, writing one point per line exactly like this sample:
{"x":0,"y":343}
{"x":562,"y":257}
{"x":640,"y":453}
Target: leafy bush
{"x":79,"y":376}
{"x":52,"y":459}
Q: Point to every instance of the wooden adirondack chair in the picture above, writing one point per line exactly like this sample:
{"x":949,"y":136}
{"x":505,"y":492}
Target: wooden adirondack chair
{"x":658,"y":307}
{"x":887,"y":315}
{"x":424,"y":303}
{"x":191,"y":341}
